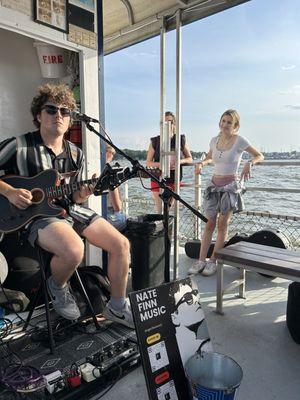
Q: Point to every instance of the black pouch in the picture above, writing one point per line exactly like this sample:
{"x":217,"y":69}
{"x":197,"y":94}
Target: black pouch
{"x":96,"y":285}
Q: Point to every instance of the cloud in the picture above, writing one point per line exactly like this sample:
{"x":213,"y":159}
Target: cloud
{"x":295,"y":107}
{"x":288,"y":67}
{"x":293,"y":90}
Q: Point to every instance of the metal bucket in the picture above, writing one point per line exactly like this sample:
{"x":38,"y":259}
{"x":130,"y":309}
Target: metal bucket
{"x":213,"y":376}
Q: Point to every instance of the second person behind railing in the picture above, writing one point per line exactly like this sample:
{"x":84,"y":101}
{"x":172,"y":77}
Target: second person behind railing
{"x":153,"y":159}
{"x":115,"y":216}
{"x":223,"y":194}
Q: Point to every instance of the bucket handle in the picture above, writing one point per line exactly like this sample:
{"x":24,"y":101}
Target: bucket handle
{"x":199,"y":351}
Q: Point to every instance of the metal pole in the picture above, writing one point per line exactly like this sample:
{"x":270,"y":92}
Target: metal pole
{"x":101,"y":109}
{"x":197,"y":221}
{"x":177,"y":143}
{"x":162,"y":93}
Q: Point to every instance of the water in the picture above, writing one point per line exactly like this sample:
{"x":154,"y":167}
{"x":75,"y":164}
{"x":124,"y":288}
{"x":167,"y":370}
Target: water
{"x":262,"y":176}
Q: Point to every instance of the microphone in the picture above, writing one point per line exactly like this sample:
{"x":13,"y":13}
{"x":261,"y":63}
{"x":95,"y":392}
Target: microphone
{"x":77,"y":116}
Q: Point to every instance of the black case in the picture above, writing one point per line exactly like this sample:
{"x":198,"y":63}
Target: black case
{"x":293,"y":311}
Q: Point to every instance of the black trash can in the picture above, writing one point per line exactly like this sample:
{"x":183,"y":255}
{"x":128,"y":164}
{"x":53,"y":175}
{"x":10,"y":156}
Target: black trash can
{"x":146,"y":236}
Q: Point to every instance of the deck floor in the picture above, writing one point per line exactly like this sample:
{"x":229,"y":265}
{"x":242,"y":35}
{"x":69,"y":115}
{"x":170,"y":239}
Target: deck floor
{"x":252,"y":331}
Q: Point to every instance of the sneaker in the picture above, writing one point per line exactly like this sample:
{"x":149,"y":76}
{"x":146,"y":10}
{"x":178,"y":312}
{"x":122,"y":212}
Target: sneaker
{"x":62,"y":300}
{"x":123,"y":316}
{"x":210,"y":268}
{"x":197,"y":267}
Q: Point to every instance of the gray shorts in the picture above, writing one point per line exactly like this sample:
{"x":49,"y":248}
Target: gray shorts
{"x":80,"y":218}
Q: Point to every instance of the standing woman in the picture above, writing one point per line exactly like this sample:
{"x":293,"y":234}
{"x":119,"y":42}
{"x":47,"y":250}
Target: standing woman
{"x":153,"y":159}
{"x":223,"y":194}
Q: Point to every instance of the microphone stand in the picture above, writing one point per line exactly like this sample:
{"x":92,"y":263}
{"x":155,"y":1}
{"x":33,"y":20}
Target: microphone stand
{"x":166,"y":195}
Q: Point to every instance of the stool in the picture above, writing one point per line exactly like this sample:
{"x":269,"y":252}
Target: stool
{"x":44,"y":261}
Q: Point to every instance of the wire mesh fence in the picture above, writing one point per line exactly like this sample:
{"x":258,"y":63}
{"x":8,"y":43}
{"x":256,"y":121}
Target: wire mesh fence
{"x":244,"y":223}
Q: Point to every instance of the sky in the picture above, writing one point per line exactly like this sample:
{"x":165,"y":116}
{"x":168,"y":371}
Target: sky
{"x":246,"y":58}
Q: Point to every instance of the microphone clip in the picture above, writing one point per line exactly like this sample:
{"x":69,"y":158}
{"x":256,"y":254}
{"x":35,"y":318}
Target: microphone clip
{"x":77,"y":116}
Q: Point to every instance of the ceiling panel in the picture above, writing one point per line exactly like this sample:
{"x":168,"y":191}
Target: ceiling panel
{"x":127,"y":22}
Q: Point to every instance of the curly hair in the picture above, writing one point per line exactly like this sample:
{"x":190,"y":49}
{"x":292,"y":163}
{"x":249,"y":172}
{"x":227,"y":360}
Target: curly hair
{"x":58,"y":94}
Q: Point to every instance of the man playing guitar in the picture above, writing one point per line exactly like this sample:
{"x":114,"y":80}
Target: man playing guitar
{"x":30,"y":154}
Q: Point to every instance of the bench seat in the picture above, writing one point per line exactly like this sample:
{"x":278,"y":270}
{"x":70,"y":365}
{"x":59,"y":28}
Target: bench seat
{"x":258,"y":258}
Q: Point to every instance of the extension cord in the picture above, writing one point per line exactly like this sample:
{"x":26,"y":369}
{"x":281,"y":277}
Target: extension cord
{"x":89,"y":372}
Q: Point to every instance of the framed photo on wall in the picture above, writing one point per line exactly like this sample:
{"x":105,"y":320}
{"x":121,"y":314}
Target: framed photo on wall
{"x":52,"y":13}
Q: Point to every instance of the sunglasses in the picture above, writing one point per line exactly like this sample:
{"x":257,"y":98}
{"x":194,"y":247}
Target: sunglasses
{"x":52,"y":110}
{"x":187,"y":298}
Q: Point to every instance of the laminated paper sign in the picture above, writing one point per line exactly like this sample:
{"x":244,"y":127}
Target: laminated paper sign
{"x":170,"y":327}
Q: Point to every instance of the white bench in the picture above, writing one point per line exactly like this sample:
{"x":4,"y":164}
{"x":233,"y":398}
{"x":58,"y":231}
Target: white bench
{"x":258,"y":258}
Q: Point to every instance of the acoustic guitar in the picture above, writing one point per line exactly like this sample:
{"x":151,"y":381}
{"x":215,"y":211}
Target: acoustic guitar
{"x":45,"y":188}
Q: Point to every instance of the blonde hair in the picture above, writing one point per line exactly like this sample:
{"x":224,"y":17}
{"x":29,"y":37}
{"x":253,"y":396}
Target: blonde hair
{"x":235,"y":118}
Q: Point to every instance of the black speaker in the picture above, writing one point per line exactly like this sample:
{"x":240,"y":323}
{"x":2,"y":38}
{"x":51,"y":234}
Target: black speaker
{"x":146,"y":236}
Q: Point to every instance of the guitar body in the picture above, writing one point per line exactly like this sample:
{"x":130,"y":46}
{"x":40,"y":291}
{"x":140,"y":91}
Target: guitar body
{"x":12,"y":218}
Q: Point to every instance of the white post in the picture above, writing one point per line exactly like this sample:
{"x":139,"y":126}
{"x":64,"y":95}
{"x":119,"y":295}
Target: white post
{"x":177,"y":144}
{"x":198,"y":197}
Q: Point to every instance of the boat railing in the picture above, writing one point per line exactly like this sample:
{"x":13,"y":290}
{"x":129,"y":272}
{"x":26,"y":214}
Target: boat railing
{"x":246,"y":222}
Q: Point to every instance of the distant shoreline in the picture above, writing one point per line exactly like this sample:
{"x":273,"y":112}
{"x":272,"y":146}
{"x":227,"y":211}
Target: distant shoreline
{"x":274,"y":155}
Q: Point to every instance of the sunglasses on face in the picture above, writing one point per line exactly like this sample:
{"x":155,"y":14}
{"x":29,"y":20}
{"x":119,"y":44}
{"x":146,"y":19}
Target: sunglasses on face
{"x":187,"y":298}
{"x":52,"y":110}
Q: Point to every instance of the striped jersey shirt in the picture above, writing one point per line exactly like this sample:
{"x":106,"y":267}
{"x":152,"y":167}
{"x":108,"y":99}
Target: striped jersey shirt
{"x":27,"y":155}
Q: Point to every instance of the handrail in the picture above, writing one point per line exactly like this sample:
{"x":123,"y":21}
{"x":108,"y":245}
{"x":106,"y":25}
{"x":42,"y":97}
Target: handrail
{"x":271,"y":189}
{"x":197,"y":184}
{"x":271,"y":215}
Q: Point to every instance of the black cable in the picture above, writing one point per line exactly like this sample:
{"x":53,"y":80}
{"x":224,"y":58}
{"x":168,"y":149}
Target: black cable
{"x":82,"y":328}
{"x":113,"y":384}
{"x":6,"y":328}
{"x":132,"y":340}
{"x":144,"y":187}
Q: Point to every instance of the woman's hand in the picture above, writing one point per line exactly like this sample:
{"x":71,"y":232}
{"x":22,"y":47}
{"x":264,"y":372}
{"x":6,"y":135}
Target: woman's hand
{"x":198,"y":168}
{"x":245,"y":174}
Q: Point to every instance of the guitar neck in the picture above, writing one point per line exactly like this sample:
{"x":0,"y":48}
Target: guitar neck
{"x":54,"y":192}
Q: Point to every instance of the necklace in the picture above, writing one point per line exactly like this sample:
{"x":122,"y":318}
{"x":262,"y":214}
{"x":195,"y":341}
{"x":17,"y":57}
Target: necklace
{"x":225,"y":145}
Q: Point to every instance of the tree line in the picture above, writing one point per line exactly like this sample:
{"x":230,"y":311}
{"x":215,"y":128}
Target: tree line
{"x":142,"y":154}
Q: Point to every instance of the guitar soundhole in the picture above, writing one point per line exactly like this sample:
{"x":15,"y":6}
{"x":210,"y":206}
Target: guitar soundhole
{"x":37,"y":196}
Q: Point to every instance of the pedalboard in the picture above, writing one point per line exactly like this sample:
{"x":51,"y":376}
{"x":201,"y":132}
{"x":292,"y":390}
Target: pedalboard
{"x":113,"y":354}
{"x":97,"y":371}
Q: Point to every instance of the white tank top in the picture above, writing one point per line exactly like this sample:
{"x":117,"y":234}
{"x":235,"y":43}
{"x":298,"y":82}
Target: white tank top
{"x":227,"y":162}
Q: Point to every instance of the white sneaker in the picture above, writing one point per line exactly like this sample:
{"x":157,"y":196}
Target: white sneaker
{"x":197,"y":268}
{"x":123,"y":316}
{"x":210,"y":268}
